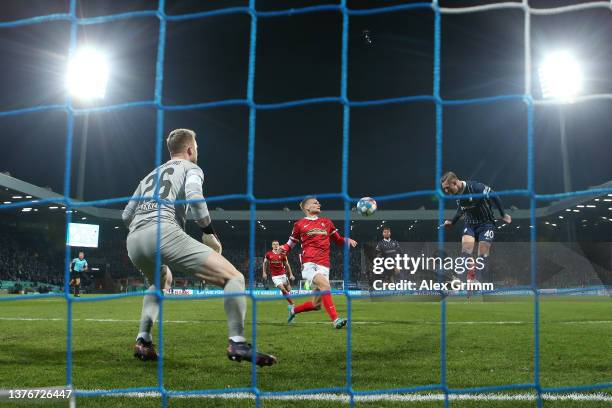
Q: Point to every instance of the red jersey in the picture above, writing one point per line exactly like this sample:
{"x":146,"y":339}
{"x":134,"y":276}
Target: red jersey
{"x":471,"y":275}
{"x":314,"y":234}
{"x":276,"y":262}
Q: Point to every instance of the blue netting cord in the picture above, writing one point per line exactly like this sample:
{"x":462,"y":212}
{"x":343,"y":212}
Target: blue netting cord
{"x":438,"y":175}
{"x":159,"y":80}
{"x":532,"y":250}
{"x":67,"y":179}
{"x":250,"y":192}
{"x":346,"y":123}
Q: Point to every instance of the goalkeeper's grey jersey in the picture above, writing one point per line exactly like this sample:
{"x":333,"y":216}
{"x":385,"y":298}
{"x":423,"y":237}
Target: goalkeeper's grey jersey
{"x":178,"y":180}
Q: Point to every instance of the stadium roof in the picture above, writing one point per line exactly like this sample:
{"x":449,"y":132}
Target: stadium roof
{"x":13,"y":187}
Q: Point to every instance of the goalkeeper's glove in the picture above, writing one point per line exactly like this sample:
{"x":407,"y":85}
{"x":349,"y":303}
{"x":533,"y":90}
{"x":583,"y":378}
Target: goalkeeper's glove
{"x":210,"y":239}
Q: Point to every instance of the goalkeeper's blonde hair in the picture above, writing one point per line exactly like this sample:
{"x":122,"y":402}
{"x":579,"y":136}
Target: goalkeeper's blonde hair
{"x":179,"y":140}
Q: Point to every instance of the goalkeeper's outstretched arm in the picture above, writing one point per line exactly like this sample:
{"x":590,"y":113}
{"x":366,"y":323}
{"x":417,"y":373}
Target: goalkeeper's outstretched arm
{"x":130,"y":209}
{"x":193,"y":191}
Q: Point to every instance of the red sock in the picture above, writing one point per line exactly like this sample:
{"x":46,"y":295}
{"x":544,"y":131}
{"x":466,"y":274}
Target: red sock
{"x":304,"y":307}
{"x":286,"y":295}
{"x":328,"y":303}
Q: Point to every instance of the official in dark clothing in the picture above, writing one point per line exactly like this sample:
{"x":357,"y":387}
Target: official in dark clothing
{"x":388,"y":248}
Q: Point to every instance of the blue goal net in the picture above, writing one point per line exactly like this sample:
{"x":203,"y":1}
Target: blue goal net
{"x":342,"y":99}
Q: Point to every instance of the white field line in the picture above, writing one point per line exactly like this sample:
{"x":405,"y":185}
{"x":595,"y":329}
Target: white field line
{"x":501,"y":322}
{"x":605,"y":397}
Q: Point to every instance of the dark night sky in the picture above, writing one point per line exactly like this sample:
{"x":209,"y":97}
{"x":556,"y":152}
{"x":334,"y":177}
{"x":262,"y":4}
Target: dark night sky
{"x":298,"y":150}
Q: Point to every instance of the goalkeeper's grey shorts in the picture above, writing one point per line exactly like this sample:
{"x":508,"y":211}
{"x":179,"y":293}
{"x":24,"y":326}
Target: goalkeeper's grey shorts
{"x":178,"y":250}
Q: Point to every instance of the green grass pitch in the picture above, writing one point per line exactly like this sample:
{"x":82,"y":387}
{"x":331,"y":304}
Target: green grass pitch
{"x":396,"y":343}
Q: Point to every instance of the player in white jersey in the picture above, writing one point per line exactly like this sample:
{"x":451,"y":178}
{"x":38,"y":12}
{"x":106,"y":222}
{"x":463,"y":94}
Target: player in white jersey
{"x":181,"y":179}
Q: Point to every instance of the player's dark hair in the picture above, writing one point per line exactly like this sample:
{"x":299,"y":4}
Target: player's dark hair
{"x":179,"y":139}
{"x":305,"y":200}
{"x":448,"y":176}
{"x":386,"y":227}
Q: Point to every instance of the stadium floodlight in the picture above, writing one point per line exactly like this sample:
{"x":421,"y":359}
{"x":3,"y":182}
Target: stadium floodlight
{"x":560,"y":76}
{"x":561,"y":80}
{"x":86,"y":79}
{"x":87,"y":74}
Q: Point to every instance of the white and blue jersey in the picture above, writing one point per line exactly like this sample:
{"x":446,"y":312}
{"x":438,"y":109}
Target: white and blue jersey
{"x":478,"y":212}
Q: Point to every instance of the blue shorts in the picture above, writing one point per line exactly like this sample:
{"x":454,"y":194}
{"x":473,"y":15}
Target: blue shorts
{"x":482,"y":232}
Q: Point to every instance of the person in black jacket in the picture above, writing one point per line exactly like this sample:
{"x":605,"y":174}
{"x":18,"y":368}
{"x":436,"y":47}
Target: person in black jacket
{"x":388,"y":248}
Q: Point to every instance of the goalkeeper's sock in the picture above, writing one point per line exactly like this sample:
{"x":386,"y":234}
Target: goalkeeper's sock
{"x":330,"y":308}
{"x":235,"y":307}
{"x":150,"y":310}
{"x":304,"y":307}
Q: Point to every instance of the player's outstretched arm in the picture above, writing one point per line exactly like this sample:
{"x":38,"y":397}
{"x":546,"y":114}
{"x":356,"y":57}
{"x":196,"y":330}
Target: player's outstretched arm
{"x":497,"y":202}
{"x":210,"y":239}
{"x":446,"y":224}
{"x":130,"y":209}
{"x":294,"y":238}
{"x":264,"y":268}
{"x":193,"y":191}
{"x":288,"y":266}
{"x":457,"y":216}
{"x":506,"y":217}
{"x":339,"y":239}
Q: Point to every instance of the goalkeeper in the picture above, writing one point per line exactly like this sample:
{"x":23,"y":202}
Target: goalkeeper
{"x":181,"y":179}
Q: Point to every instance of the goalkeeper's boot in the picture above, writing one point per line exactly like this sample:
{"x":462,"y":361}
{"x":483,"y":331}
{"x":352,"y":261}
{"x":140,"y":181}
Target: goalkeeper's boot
{"x":145,"y":350}
{"x":238,"y":351}
{"x":291,"y":315}
{"x":340,"y":323}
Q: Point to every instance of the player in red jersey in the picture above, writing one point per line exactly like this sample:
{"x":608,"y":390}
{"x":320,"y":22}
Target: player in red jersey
{"x":314,"y":233}
{"x":278,"y":264}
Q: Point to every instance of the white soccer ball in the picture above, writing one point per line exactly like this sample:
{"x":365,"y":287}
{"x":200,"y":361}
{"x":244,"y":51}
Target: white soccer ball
{"x":366,"y":206}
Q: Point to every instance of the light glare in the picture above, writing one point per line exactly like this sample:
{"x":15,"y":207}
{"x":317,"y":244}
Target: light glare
{"x":88,"y":74}
{"x":560,"y":77}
